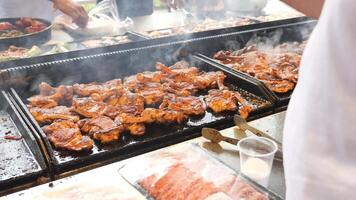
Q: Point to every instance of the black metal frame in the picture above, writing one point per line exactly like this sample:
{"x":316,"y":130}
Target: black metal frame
{"x":28,"y":141}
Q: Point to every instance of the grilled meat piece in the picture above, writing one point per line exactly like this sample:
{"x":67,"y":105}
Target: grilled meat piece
{"x":151,"y":115}
{"x":48,"y":115}
{"x":222,"y":100}
{"x":179,"y":72}
{"x":210,"y":80}
{"x":152,"y":92}
{"x":99,"y":91}
{"x":101,"y":128}
{"x":50,"y":97}
{"x":188,"y":105}
{"x":136,"y":129}
{"x":87,"y":107}
{"x":128,"y":103}
{"x":277,"y":67}
{"x":42,"y":101}
{"x":180,"y":88}
{"x":225,"y":100}
{"x":279,"y":86}
{"x":65,"y":134}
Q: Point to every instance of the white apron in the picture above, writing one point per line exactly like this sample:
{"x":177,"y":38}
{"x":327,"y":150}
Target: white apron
{"x":320,"y":129}
{"x":26,"y":8}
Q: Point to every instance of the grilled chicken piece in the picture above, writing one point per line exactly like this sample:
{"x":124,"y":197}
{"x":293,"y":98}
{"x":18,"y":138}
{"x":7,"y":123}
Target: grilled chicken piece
{"x":180,"y":88}
{"x":89,"y":108}
{"x":42,"y":101}
{"x":221,"y":100}
{"x":279,"y":86}
{"x":152,"y":92}
{"x":179,"y":72}
{"x":101,"y":128}
{"x":136,"y":129}
{"x":48,"y":115}
{"x":50,"y":97}
{"x":65,"y":134}
{"x":277,"y":67}
{"x":151,"y":115}
{"x":225,"y":100}
{"x":99,"y":91}
{"x":210,"y":80}
{"x":188,"y":105}
{"x":128,"y":103}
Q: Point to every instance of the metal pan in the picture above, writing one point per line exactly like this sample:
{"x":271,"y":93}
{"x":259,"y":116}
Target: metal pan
{"x":85,"y":69}
{"x":27,"y":40}
{"x":289,"y":33}
{"x":21,"y":158}
{"x":78,"y":50}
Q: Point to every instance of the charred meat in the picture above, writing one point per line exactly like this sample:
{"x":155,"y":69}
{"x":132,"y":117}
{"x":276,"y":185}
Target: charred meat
{"x":101,"y":128}
{"x":277,"y":67}
{"x":188,"y":105}
{"x":65,"y":134}
{"x":48,"y":115}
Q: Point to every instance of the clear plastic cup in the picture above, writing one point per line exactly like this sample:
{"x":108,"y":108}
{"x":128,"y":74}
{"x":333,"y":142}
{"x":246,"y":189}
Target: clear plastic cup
{"x":256,"y":158}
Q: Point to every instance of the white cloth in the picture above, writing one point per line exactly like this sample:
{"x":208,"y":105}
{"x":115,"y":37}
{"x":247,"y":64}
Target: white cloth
{"x":26,"y":8}
{"x":320,"y":128}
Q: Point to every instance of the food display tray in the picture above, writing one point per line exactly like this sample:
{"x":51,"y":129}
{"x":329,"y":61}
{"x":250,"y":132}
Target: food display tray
{"x":209,"y":33}
{"x":103,"y":67}
{"x":27,"y":40}
{"x":170,"y":167}
{"x":296,"y":32}
{"x":21,"y":159}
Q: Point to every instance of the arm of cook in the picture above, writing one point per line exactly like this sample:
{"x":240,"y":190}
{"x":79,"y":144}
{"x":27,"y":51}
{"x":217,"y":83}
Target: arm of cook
{"x":311,"y":8}
{"x":74,"y":10}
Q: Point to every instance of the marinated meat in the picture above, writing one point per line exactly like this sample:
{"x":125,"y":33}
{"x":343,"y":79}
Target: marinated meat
{"x":42,"y":101}
{"x":136,"y":129}
{"x":151,"y":115}
{"x":188,"y":105}
{"x":222,"y":100}
{"x":128,"y":102}
{"x":102,"y":128}
{"x":65,"y":134}
{"x":152,"y":92}
{"x":180,"y":88}
{"x":50,"y":97}
{"x":89,"y":108}
{"x":168,"y":185}
{"x":208,"y":80}
{"x":277,"y":67}
{"x":99,"y":92}
{"x":48,"y":115}
{"x":179,"y":72}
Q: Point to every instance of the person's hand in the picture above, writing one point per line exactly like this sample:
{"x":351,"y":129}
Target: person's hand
{"x":174,"y":4}
{"x":74,"y":10}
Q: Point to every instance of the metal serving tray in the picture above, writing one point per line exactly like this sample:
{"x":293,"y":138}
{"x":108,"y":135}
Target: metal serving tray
{"x":208,"y":33}
{"x":288,"y":33}
{"x":120,"y":64}
{"x":21,"y":160}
